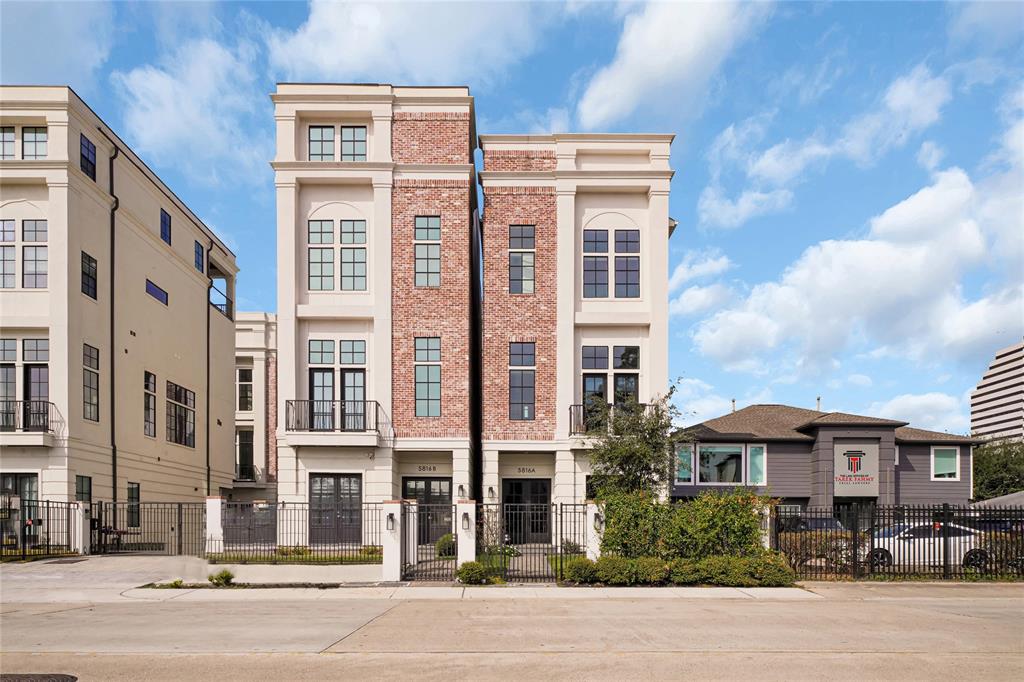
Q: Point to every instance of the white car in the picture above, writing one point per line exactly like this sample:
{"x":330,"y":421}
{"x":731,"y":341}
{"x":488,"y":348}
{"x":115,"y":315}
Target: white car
{"x":922,"y":544}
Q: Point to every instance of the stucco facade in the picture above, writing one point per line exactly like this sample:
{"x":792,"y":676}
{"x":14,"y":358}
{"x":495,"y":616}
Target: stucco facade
{"x":562,"y":212}
{"x":255,"y":407}
{"x":106,"y":314}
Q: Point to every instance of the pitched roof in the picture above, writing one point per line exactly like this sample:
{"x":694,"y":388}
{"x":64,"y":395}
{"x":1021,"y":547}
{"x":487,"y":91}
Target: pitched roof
{"x":783,"y":422}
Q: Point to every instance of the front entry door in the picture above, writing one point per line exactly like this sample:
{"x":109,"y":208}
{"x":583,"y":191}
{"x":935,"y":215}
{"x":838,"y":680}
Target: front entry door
{"x":321,"y":399}
{"x":335,"y":508}
{"x":434,"y":510}
{"x":353,"y":396}
{"x":527,"y":510}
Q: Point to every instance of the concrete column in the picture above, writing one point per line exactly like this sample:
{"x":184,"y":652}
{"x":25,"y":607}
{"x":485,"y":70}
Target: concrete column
{"x":410,"y":535}
{"x":465,"y":531}
{"x":391,"y":540}
{"x":595,"y":527}
{"x":491,"y":480}
{"x":214,"y":525}
{"x":292,"y":524}
{"x":565,"y":477}
{"x":462,"y":474}
{"x":565,"y":304}
{"x":80,"y":535}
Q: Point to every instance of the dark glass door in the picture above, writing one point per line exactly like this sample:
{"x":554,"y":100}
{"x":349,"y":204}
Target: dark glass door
{"x":7,"y":398}
{"x":335,"y":508}
{"x":627,"y":388}
{"x":595,"y":399}
{"x":527,"y":510}
{"x":37,"y":397}
{"x":434,"y":516}
{"x":353,"y":396}
{"x":321,"y":397}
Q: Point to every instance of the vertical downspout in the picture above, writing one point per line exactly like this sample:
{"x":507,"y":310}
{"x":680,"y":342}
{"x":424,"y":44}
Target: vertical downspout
{"x":113,"y":355}
{"x":209,"y":285}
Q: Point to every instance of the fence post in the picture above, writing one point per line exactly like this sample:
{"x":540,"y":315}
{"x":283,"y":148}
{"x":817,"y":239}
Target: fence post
{"x":945,"y":541}
{"x":214,"y":525}
{"x":391,"y":540}
{"x":595,"y":527}
{"x":180,"y":528}
{"x":465,"y":529}
{"x":856,"y":540}
{"x":766,"y":513}
{"x":79,"y":528}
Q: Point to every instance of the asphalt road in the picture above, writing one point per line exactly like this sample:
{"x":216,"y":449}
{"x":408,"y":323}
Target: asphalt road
{"x":906,"y":632}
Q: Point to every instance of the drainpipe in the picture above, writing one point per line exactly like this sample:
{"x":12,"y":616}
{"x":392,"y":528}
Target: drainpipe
{"x":113,"y":355}
{"x":209,"y":286}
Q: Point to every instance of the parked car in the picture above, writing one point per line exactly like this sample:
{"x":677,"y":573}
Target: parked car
{"x":922,"y":544}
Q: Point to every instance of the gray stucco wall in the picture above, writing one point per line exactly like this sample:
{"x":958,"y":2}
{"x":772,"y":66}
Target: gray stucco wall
{"x":914,"y":473}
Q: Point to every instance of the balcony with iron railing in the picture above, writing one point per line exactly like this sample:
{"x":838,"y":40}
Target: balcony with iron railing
{"x":28,"y":422}
{"x":349,"y":417}
{"x":596,"y":417}
{"x":246,"y":472}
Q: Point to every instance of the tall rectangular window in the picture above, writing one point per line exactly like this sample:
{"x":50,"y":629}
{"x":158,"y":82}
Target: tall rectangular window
{"x":7,"y":142}
{"x":428,"y":251}
{"x":757,"y":465}
{"x":87,"y":160}
{"x":245,"y":389}
{"x":88,"y":275}
{"x":83,"y":488}
{"x":321,"y":143}
{"x":521,"y":258}
{"x":321,"y":269}
{"x":353,"y":143}
{"x":181,"y":415}
{"x":149,"y":404}
{"x":521,"y":382}
{"x":91,"y":383}
{"x":627,"y":277}
{"x":684,"y":463}
{"x":33,"y":143}
{"x":134,"y":506}
{"x":34,"y":230}
{"x":428,"y":376}
{"x":200,"y":257}
{"x":321,"y":352}
{"x":165,"y":226}
{"x":595,"y":268}
{"x":6,"y":230}
{"x":246,"y":471}
{"x":7,"y":267}
{"x":34,"y":267}
{"x":353,"y":269}
{"x":156,"y":292}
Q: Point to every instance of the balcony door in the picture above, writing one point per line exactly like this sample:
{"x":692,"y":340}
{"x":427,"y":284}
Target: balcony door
{"x":37,"y":397}
{"x":353,"y":396}
{"x":595,"y":399}
{"x":8,"y":398}
{"x":627,"y":387}
{"x":321,"y":399}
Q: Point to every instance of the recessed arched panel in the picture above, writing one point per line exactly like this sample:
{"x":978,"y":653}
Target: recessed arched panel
{"x":336,"y":210}
{"x":609,"y":220}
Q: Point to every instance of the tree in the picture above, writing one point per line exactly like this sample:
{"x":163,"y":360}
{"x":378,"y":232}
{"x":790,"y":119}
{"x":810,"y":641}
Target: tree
{"x":998,"y":469}
{"x":633,"y":446}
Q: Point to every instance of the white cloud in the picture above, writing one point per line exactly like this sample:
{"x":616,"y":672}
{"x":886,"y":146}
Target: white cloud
{"x":190,"y":109}
{"x":932,"y":411}
{"x":698,"y":401}
{"x":553,"y":120}
{"x":930,"y":155}
{"x":58,"y":43}
{"x":988,"y":25}
{"x":714,"y":209}
{"x":667,"y":51}
{"x":415,"y":43}
{"x":862,"y":380}
{"x":696,"y":264}
{"x":697,"y":299}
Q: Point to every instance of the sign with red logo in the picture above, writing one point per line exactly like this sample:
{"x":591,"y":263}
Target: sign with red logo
{"x":856,"y":470}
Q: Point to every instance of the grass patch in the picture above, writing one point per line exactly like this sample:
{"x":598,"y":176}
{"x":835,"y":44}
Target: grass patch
{"x":369,"y":554}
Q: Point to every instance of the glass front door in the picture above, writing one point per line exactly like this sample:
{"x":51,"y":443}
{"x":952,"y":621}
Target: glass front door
{"x":335,"y":508}
{"x":434,"y":517}
{"x":321,"y":398}
{"x":527,"y":510}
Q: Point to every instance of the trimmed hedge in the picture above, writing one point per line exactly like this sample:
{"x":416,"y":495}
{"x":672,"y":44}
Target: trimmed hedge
{"x":473,"y":573}
{"x":767,"y":569}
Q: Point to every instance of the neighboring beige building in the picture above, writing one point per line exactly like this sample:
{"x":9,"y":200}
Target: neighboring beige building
{"x":255,"y":407}
{"x":997,"y":402}
{"x":376,"y":203}
{"x":575,"y":307}
{"x":116,"y":355}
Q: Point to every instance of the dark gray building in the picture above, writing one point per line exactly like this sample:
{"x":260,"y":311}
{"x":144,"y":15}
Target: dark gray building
{"x":813,"y":458}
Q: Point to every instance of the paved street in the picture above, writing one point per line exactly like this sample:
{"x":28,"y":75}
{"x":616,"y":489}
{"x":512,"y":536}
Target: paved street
{"x":829,"y":631}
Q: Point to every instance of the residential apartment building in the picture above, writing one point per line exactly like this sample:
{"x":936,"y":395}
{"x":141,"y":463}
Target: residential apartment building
{"x":376,"y":228}
{"x":255,"y":407}
{"x":116,"y":338}
{"x":997,"y":402}
{"x":575,"y":308}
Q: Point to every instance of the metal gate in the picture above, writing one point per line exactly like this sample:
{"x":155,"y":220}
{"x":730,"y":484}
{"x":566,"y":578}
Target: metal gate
{"x":529,"y":542}
{"x":429,"y":546}
{"x":149,"y":528}
{"x":36,"y":528}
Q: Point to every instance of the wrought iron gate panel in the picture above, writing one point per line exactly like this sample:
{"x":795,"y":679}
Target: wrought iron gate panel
{"x":172,"y":528}
{"x":429,"y":544}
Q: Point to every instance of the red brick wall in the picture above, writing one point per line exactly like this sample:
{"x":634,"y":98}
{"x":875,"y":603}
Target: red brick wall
{"x":430,"y":137}
{"x":519,"y":317}
{"x":443,"y":311}
{"x":271,"y":435}
{"x":518,"y":160}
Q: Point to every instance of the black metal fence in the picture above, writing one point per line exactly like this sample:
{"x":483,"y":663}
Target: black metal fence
{"x":299,"y":532}
{"x":33,"y":529}
{"x":429,"y":542}
{"x":868,"y":541}
{"x":529,"y":542}
{"x":173,"y":528}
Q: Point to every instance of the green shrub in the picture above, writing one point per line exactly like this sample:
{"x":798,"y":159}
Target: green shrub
{"x":296,"y":551}
{"x":771,"y":569}
{"x":631,"y":523}
{"x":222,"y":578}
{"x":571,"y":547}
{"x":615,"y":570}
{"x":580,"y":570}
{"x":684,"y":572}
{"x":726,"y":571}
{"x":650,"y":570}
{"x":445,"y":547}
{"x":472,"y":573}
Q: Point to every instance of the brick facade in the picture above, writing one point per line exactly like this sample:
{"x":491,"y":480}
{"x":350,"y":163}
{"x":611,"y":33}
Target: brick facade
{"x":271,"y":434}
{"x":430,"y":137}
{"x":519,"y":317}
{"x":442,"y":311}
{"x":519,"y":160}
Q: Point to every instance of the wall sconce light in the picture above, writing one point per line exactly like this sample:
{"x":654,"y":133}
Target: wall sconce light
{"x":391,"y":521}
{"x":465,"y":520}
{"x":490,"y":492}
{"x":462,"y":492}
{"x":598,"y":522}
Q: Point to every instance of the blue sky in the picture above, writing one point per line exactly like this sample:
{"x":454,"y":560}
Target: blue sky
{"x":849,"y":176}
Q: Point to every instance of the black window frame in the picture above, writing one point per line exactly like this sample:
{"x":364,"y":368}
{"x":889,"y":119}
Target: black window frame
{"x":165,"y":226}
{"x":5,"y":141}
{"x":427,"y":251}
{"x":157,"y":292}
{"x":200,"y":258}
{"x":595,"y":241}
{"x":39,"y":275}
{"x":35,"y":142}
{"x":87,"y":157}
{"x":353,"y":270}
{"x":627,"y":354}
{"x":134,"y":498}
{"x":181,"y":415}
{"x":8,"y":266}
{"x":594,"y":357}
{"x":83,"y":488}
{"x":320,"y":155}
{"x":522,"y":394}
{"x":348,"y":146}
{"x":522,"y":354}
{"x":595,"y":277}
{"x":90,"y":272}
{"x":149,"y":404}
{"x":325,"y":282}
{"x":90,"y":383}
{"x":627,"y":241}
{"x":320,"y":351}
{"x":427,"y":373}
{"x":627,"y":276}
{"x":245,"y":397}
{"x":35,"y":230}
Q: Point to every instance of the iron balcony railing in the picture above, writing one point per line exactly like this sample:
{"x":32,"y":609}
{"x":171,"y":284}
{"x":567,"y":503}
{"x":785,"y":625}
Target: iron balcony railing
{"x":245,"y":472}
{"x":358,"y":416}
{"x":595,"y":417}
{"x":30,"y":416}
